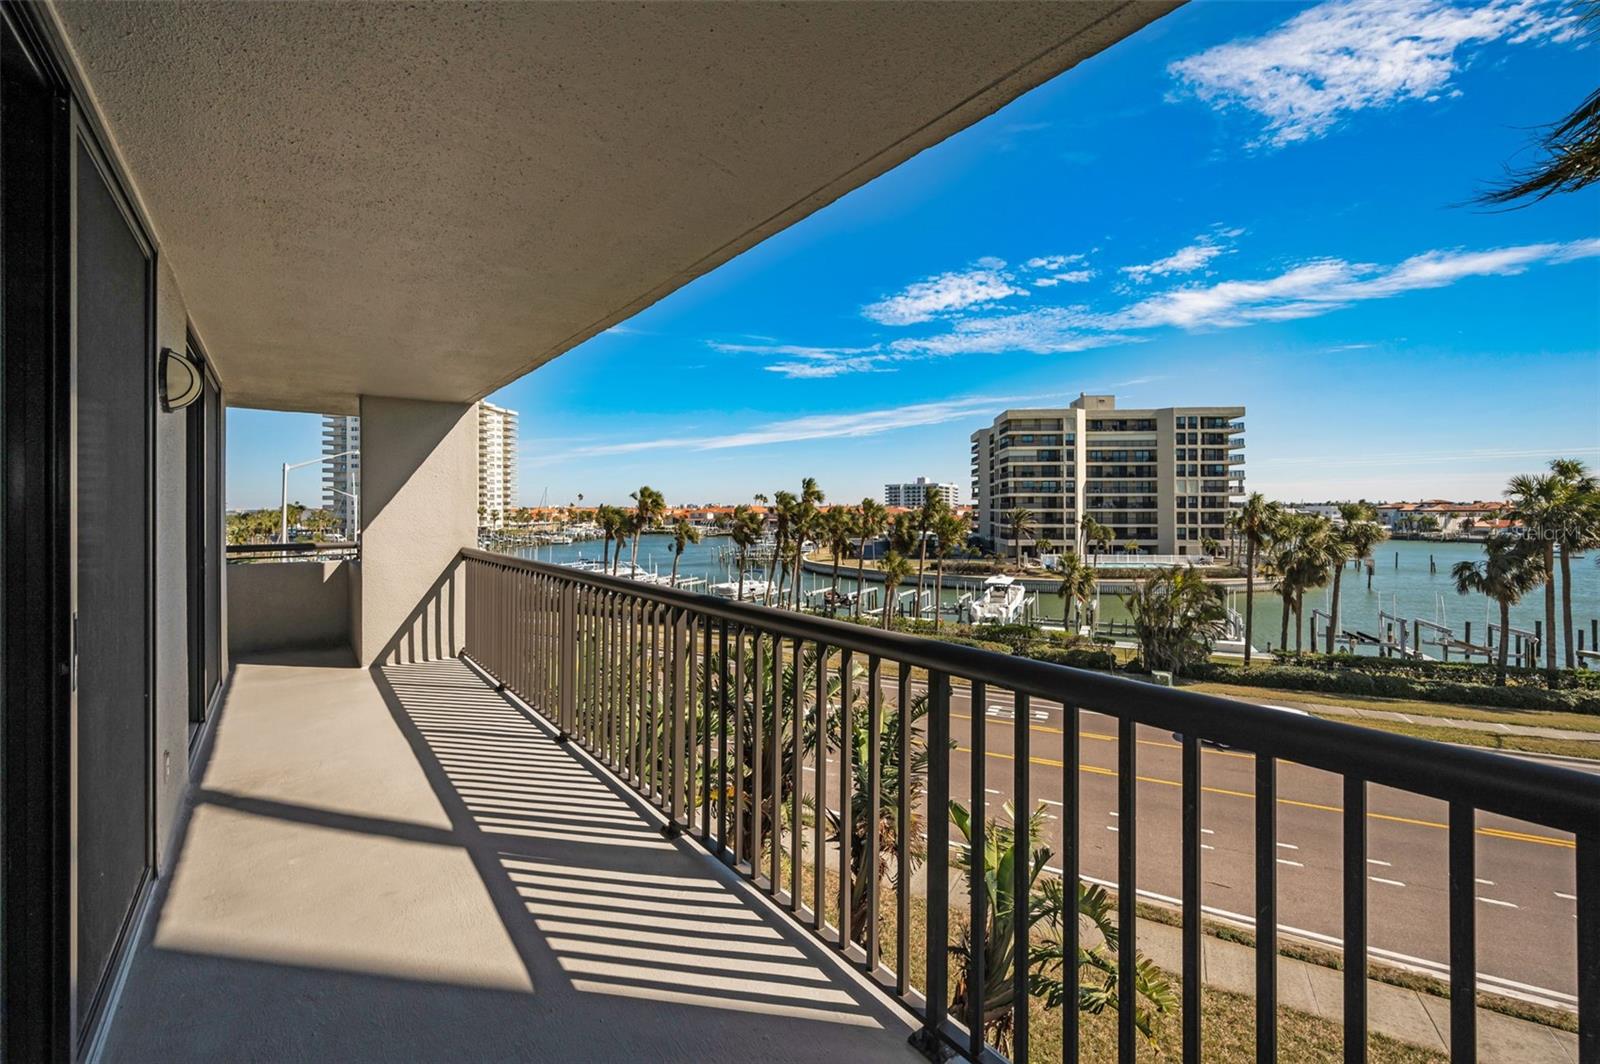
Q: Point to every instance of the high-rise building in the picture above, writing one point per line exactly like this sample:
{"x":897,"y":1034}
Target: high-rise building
{"x":1162,"y":479}
{"x":913,"y":493}
{"x":497,"y":463}
{"x":341,"y":471}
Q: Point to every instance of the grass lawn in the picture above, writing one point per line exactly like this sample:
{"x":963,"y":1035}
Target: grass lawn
{"x":1545,"y":718}
{"x":1527,"y":744}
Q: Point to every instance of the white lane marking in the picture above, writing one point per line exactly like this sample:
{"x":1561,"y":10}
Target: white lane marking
{"x":1390,"y":882}
{"x":1040,"y":714}
{"x":1292,"y":864}
{"x":1112,"y":812}
{"x":1509,"y":987}
{"x":1051,"y":816}
{"x":1287,"y":846}
{"x":1207,"y":831}
{"x":1565,"y":897}
{"x":1111,"y":827}
{"x":1048,"y":801}
{"x":1380,"y":864}
{"x":1497,"y":901}
{"x":1485,"y":882}
{"x":1205,"y":846}
{"x":990,"y":790}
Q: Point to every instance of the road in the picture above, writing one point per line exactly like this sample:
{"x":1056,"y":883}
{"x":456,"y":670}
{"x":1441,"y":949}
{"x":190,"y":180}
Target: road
{"x":1526,"y":876}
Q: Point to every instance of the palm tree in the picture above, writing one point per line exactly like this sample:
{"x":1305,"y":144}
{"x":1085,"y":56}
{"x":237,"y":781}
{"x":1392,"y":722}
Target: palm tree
{"x":1255,"y":522}
{"x":895,"y":567}
{"x":1571,"y":146}
{"x":785,"y":507}
{"x":683,"y":534}
{"x":811,"y":498}
{"x":838,"y":530}
{"x":744,"y":530}
{"x":1511,"y":568}
{"x":605,"y":515}
{"x":1019,"y":525}
{"x":933,"y":505}
{"x":1095,"y":535}
{"x":1577,"y":530}
{"x":1176,"y":617}
{"x":649,"y":506}
{"x":870,"y":519}
{"x":1078,"y":585}
{"x":1358,"y":535}
{"x":1536,"y":501}
{"x":950,"y":532}
{"x":625,"y":523}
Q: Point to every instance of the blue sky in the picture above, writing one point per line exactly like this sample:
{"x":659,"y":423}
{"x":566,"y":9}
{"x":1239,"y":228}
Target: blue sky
{"x":1244,"y":203}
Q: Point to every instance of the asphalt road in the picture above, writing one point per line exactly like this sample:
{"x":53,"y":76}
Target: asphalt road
{"x":1526,"y":910}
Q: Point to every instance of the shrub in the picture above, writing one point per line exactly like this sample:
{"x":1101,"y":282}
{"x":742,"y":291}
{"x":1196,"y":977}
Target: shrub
{"x":1344,"y":676}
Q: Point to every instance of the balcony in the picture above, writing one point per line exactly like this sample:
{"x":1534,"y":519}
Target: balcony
{"x":400,"y":863}
{"x":566,"y":816}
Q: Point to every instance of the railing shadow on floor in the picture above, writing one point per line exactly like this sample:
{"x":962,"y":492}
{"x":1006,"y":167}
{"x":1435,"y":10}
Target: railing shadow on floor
{"x":583,"y":877}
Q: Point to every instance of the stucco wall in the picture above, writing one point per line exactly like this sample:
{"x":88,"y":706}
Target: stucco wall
{"x":419,"y":498}
{"x":288,"y":606}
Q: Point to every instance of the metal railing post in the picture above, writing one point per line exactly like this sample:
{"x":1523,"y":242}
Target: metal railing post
{"x":568,"y":701}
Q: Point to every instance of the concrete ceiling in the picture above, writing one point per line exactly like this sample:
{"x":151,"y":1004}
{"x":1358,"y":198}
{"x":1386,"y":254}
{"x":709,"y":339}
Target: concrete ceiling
{"x":431,"y":200}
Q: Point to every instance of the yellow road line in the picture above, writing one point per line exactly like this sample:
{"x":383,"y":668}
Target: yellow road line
{"x":1497,"y":833}
{"x":1108,"y":738}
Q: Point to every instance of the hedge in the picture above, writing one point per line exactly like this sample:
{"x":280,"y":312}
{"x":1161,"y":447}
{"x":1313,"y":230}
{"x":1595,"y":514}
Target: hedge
{"x":1330,"y":678}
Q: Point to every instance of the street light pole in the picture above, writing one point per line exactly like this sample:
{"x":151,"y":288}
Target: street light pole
{"x":283,"y":499}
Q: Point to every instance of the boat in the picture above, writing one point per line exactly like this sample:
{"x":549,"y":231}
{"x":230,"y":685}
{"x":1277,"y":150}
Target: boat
{"x":749,"y":589}
{"x":1000,"y":601}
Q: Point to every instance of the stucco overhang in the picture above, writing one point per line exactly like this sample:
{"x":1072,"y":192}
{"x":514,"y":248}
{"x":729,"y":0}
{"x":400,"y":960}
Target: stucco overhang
{"x":429,"y":200}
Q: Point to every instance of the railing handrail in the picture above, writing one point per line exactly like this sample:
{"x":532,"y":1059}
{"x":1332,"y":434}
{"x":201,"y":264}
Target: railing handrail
{"x":1561,"y":798}
{"x":299,"y":546}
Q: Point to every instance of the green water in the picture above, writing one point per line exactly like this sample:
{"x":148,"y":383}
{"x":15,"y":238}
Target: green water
{"x":1402,"y":583}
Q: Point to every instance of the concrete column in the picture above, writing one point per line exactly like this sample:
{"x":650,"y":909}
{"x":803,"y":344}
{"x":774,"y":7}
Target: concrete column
{"x":419,"y":497}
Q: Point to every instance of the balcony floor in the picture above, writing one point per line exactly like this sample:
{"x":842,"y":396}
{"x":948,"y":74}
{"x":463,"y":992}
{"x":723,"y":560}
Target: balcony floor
{"x":397,"y":864}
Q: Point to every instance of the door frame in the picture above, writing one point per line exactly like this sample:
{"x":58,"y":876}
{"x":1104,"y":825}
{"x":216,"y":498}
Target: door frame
{"x":202,"y":566}
{"x":88,"y":1021}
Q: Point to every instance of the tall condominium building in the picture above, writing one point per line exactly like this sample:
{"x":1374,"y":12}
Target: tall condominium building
{"x":1163,"y":479}
{"x":341,"y":471}
{"x":497,"y":462}
{"x":912,"y":495}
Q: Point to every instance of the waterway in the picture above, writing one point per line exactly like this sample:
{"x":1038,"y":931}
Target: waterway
{"x":1410,"y":579}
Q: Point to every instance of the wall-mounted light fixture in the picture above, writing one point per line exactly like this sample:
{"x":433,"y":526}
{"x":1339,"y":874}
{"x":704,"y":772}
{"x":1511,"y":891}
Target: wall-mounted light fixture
{"x":181,"y":380}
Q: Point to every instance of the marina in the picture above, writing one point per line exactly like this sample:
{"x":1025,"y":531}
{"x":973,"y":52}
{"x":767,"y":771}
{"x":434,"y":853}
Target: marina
{"x":1410,"y":599}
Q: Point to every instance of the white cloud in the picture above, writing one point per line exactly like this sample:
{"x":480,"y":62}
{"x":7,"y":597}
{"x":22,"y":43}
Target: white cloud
{"x":795,"y":430}
{"x":1065,"y":277}
{"x":1328,"y":284}
{"x":985,"y":283}
{"x":1307,"y":289}
{"x":1185,"y":260}
{"x":1353,"y":55}
{"x":1049,"y":330}
{"x":1052,"y":262}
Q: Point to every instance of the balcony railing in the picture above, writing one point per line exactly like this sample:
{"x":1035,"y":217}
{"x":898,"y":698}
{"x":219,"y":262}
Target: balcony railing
{"x":718,"y":712}
{"x":294,"y":551}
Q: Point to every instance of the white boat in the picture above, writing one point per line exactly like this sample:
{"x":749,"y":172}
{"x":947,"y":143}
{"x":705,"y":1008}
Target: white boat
{"x":1000,"y":602}
{"x":749,"y":589}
